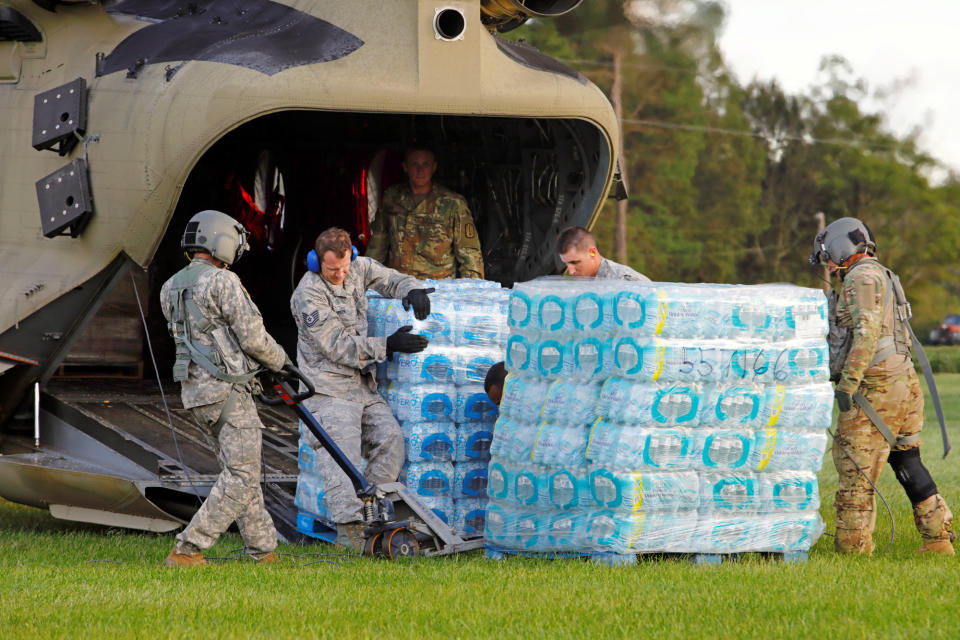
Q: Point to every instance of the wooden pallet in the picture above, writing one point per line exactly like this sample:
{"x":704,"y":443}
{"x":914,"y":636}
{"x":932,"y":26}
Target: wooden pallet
{"x":493,"y":552}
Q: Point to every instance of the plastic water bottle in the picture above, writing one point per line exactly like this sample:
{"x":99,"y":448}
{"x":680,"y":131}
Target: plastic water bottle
{"x":498,"y":483}
{"x":788,"y":491}
{"x":783,"y":449}
{"x":731,"y":493}
{"x":807,"y":406}
{"x":603,"y":442}
{"x":429,"y":478}
{"x":560,"y":444}
{"x":429,"y":441}
{"x":784,"y":533}
{"x":571,"y":403}
{"x":473,"y":405}
{"x":801,"y":362}
{"x":722,"y":449}
{"x":549,"y":356}
{"x":610,"y":532}
{"x":725,"y":534}
{"x":524,"y":485}
{"x":589,"y":359}
{"x":750,"y":319}
{"x":752,"y":364}
{"x":422,"y":403}
{"x":469,"y":517}
{"x":435,"y":365}
{"x":310,"y":495}
{"x":438,"y":326}
{"x":626,"y":310}
{"x":665,"y":449}
{"x":564,"y":488}
{"x":523,"y":398}
{"x":522,"y":318}
{"x":531,"y":531}
{"x":552,"y":317}
{"x":469,"y":480}
{"x":307,"y":459}
{"x":513,"y":440}
{"x":626,"y":401}
{"x":480,"y":324}
{"x":442,"y":507}
{"x":499,"y":524}
{"x":521,"y":355}
{"x":473,"y":441}
{"x":733,"y":406}
{"x":633,"y":492}
{"x":566,"y":531}
{"x":805,"y":317}
{"x":470,"y":366}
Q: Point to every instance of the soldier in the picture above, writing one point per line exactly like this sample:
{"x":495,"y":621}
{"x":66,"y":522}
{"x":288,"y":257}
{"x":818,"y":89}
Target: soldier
{"x":578,"y":250}
{"x":876,"y":375}
{"x":333,"y":350}
{"x":221,"y":345}
{"x":424,"y":229}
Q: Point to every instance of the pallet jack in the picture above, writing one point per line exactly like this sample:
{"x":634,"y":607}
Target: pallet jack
{"x":396,"y":523}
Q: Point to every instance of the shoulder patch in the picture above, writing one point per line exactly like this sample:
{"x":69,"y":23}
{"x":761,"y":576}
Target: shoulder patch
{"x":310,"y":319}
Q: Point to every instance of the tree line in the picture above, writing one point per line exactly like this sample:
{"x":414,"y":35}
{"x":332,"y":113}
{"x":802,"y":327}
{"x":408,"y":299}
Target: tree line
{"x":725,"y":179}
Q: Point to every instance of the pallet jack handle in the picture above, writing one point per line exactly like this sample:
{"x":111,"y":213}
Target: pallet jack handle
{"x":280,"y":383}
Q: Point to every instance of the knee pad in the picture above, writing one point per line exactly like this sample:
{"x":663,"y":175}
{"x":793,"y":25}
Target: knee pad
{"x":912,"y":475}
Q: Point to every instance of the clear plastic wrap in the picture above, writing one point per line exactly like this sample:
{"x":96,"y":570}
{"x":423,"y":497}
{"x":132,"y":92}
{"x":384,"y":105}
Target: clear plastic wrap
{"x":644,"y":417}
{"x":429,"y":441}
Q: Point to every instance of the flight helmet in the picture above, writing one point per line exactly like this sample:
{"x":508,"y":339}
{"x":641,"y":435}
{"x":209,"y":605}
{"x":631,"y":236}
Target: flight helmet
{"x":217,"y":234}
{"x":841,"y":239}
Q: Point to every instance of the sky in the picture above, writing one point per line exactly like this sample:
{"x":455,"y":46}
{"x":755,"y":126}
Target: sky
{"x":914,"y":46}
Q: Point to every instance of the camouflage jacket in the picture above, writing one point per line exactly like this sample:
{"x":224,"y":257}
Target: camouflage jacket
{"x":610,"y":270}
{"x":221,"y":298}
{"x":860,"y":308}
{"x":333,"y":349}
{"x":433,"y":239}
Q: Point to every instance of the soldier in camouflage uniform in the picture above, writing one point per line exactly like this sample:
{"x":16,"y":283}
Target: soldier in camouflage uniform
{"x":578,"y":250}
{"x":878,"y":366}
{"x":334,"y":352}
{"x":424,"y":229}
{"x":221,"y":344}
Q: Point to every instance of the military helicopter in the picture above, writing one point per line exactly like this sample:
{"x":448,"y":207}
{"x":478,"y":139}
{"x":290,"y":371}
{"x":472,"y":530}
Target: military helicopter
{"x":123,"y":118}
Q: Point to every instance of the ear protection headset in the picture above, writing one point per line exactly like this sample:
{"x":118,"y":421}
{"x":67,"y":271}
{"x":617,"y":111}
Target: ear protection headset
{"x":313,"y":262}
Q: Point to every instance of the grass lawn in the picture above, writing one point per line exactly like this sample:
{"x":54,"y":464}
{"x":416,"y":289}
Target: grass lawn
{"x":61,"y":579}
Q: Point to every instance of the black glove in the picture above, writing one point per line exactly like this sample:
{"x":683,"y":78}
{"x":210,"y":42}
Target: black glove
{"x":420,"y":301}
{"x":402,"y":341}
{"x":844,"y":400}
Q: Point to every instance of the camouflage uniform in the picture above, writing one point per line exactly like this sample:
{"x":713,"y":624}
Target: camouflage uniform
{"x":892,"y":388}
{"x":334,"y":352}
{"x":236,"y":495}
{"x":610,"y":270}
{"x":435,"y":238}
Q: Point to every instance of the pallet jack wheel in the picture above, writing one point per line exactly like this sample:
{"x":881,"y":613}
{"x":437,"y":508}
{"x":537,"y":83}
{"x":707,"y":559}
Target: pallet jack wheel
{"x":401,"y":543}
{"x":372,"y":546}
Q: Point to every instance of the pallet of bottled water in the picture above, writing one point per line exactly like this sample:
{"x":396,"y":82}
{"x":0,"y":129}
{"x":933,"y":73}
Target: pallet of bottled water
{"x":438,"y":397}
{"x":654,"y":417}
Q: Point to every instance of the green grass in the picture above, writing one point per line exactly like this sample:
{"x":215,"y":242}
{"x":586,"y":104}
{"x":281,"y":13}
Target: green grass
{"x":943,"y":359}
{"x":61,"y":579}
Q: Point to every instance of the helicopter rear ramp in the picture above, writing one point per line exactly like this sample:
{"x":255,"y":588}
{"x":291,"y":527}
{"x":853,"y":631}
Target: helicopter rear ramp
{"x":108,"y":454}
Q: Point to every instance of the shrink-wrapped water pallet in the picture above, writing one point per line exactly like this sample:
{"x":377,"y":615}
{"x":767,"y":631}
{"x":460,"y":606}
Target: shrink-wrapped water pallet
{"x":653,"y":417}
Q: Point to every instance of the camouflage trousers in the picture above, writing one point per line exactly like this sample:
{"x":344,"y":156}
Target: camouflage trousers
{"x":900,"y":404}
{"x":236,"y":495}
{"x":363,"y":427}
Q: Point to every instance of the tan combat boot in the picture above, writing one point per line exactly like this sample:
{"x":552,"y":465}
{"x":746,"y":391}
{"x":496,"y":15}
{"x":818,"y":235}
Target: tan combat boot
{"x":177,"y":559}
{"x":944,"y":547}
{"x":270,"y":558}
{"x":350,"y":534}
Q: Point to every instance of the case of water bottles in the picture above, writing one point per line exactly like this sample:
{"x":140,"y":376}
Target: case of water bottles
{"x":655,"y":417}
{"x":438,"y":397}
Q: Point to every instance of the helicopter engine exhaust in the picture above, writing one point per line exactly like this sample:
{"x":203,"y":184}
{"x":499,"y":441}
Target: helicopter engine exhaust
{"x":504,"y":15}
